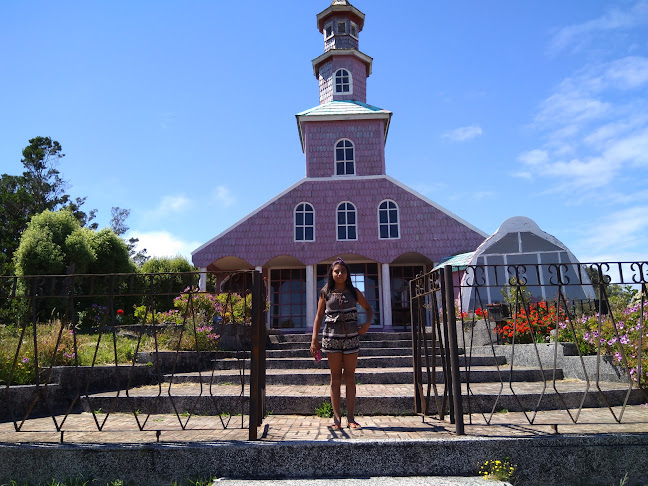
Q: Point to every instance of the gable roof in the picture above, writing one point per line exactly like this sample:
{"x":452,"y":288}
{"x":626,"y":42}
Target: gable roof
{"x":327,"y":180}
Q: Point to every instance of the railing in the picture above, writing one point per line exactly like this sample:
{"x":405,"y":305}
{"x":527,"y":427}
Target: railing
{"x":125,"y":342}
{"x":543,"y":321}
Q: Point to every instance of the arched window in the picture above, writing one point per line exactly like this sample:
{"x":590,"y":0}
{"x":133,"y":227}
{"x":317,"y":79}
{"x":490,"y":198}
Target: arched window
{"x":388,"y":225}
{"x":346,"y":222}
{"x":304,"y":222}
{"x":343,"y":82}
{"x":344,"y":158}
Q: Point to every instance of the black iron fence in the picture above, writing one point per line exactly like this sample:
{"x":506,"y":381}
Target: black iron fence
{"x":531,"y":338}
{"x":146,"y":344}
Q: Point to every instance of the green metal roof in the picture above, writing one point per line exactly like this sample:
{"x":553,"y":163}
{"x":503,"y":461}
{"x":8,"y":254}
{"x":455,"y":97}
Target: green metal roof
{"x":458,"y":262}
{"x":343,"y":107}
{"x":341,"y":110}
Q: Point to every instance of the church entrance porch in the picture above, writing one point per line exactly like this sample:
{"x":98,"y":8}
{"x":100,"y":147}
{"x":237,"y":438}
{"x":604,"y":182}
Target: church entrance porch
{"x":293,"y":294}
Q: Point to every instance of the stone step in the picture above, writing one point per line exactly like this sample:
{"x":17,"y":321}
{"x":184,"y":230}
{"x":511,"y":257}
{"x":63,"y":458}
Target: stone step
{"x":364,"y":344}
{"x":363,"y":362}
{"x":305,"y":353}
{"x":370,"y":336}
{"x":365,"y":376}
{"x":302,"y":352}
{"x":371,"y":399}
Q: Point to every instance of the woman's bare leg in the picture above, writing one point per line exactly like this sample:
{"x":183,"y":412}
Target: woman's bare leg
{"x":335,"y":365}
{"x":349,"y":363}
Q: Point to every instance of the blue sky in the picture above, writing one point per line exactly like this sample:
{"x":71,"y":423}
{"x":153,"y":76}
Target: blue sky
{"x":183,"y":112}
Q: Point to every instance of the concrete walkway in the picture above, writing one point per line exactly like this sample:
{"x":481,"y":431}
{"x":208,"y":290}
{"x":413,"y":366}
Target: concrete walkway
{"x":596,"y":451}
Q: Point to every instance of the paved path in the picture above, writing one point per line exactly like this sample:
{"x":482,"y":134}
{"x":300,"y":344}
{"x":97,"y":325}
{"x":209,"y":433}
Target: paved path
{"x":123,"y":428}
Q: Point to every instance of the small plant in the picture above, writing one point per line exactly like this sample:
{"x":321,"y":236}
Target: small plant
{"x":325,"y":410}
{"x":498,"y":470}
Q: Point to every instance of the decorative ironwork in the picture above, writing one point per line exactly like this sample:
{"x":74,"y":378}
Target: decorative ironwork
{"x":574,"y":294}
{"x":177,"y":319}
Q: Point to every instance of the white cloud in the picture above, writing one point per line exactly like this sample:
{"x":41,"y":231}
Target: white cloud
{"x":534,"y":157}
{"x":174,"y":204}
{"x":168,"y":205}
{"x":463,"y":134}
{"x":615,"y":19}
{"x":223,"y":196}
{"x":523,"y":175}
{"x":595,"y":128}
{"x":622,"y":231}
{"x":163,"y":244}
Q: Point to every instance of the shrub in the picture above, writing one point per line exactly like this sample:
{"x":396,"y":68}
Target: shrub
{"x":534,"y":325}
{"x":624,"y":338}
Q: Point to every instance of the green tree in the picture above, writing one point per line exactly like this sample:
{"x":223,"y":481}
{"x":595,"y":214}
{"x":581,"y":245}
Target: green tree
{"x":42,"y":249}
{"x":39,"y":188}
{"x":163,"y":265}
{"x":15,"y":202}
{"x":167,"y":287}
{"x":56,"y":243}
{"x":111,"y":253}
{"x":42,"y":178}
{"x":118,"y":225}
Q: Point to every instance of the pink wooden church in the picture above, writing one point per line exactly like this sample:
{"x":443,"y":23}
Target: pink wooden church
{"x":346,"y":206}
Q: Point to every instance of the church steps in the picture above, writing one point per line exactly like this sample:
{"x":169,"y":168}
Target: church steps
{"x":371,"y":399}
{"x":363,"y":362}
{"x":296,"y":384}
{"x":365,"y":376}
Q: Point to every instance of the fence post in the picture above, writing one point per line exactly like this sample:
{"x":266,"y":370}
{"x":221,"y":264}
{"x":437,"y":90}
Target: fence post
{"x":451,"y":329}
{"x":257,"y":363}
{"x":416,"y":347}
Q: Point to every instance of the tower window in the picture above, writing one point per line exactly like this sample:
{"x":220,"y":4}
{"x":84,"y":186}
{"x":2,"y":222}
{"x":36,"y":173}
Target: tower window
{"x":328,"y":31}
{"x":344,"y":158}
{"x":388,"y":220}
{"x":341,"y":27}
{"x":354,"y":30}
{"x":343,"y":83}
{"x":304,"y":222}
{"x":346,"y":222}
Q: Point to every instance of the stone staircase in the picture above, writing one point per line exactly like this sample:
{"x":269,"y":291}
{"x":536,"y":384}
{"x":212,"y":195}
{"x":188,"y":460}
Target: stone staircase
{"x":296,"y":384}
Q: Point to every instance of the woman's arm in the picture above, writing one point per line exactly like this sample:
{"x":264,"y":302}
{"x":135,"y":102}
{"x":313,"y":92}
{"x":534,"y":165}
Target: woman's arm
{"x":370,"y":312}
{"x":321,"y":307}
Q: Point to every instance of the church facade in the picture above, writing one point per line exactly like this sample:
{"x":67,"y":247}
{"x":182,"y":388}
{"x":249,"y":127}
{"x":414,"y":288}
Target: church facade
{"x":346,"y":206}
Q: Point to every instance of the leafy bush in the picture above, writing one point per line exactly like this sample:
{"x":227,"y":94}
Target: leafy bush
{"x":624,"y":338}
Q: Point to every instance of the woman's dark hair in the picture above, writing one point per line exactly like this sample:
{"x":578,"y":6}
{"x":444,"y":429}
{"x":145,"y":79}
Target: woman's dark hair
{"x":330,"y":283}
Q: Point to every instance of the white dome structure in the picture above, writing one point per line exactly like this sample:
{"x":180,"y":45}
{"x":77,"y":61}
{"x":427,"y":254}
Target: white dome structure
{"x":520,"y":242}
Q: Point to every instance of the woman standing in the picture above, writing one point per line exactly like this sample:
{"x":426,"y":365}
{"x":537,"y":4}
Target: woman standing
{"x":340,"y":335}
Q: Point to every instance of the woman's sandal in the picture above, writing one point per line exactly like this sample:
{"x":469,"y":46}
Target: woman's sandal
{"x":336,"y":426}
{"x":354,"y":425}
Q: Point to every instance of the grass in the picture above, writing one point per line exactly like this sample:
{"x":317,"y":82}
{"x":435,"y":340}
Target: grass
{"x":56,"y":347}
{"x":325,"y":410}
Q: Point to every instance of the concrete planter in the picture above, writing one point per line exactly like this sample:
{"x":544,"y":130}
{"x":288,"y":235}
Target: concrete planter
{"x":234,"y":337}
{"x":565,"y":356}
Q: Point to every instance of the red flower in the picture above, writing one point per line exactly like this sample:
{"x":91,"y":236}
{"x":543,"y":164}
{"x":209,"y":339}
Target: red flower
{"x":120,"y":312}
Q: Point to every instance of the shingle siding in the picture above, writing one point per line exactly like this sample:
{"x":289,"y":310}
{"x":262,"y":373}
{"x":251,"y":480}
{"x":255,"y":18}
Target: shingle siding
{"x":269,"y":233}
{"x":366,"y":135}
{"x":358,"y":72}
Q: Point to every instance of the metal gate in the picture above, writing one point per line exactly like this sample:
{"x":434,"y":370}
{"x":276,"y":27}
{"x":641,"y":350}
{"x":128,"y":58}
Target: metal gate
{"x":546,"y":314}
{"x":94,"y":342}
